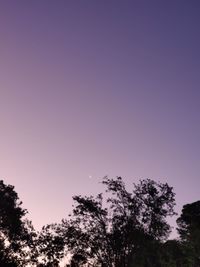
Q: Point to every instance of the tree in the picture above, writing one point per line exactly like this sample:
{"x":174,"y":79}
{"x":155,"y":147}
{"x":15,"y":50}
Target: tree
{"x":189,"y":229}
{"x":50,"y":247}
{"x":175,"y":253}
{"x":117,"y":234}
{"x":15,"y":231}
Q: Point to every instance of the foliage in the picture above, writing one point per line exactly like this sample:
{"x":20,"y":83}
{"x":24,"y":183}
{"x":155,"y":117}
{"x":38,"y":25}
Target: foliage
{"x":15,"y":231}
{"x":50,"y":247}
{"x":115,"y":235}
{"x":117,"y":228}
{"x":189,"y":229}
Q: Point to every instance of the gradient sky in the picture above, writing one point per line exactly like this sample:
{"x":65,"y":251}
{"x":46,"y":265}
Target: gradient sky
{"x":95,"y":88}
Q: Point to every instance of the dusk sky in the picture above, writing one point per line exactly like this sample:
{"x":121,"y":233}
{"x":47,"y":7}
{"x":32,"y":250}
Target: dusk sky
{"x":91,"y":88}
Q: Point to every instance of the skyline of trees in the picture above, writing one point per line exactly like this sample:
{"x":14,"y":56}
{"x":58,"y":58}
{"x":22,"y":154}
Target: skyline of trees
{"x":116,"y":228}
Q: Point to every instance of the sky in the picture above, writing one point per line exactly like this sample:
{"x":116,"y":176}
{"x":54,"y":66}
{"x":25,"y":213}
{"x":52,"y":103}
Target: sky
{"x":94,"y":88}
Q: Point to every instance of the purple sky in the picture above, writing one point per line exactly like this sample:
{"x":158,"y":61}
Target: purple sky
{"x":94,"y":88}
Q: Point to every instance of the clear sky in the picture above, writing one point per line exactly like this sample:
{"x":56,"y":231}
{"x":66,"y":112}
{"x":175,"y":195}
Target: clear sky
{"x":94,"y":88}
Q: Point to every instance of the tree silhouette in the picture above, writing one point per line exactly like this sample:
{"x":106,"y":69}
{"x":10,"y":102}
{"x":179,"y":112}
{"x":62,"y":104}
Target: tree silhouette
{"x":189,"y":229}
{"x":117,"y":228}
{"x":15,"y":231}
{"x":117,"y":234}
{"x":50,"y":247}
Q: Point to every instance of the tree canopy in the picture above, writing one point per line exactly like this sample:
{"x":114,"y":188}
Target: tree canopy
{"x":189,"y":229}
{"x":116,"y":228}
{"x":15,"y":231}
{"x":116,"y":233}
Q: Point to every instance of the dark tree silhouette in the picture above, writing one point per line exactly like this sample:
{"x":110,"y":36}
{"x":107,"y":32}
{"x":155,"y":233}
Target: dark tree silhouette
{"x":15,"y":231}
{"x":116,"y":228}
{"x":171,"y":253}
{"x":117,"y":234}
{"x":50,"y":247}
{"x":189,"y":229}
